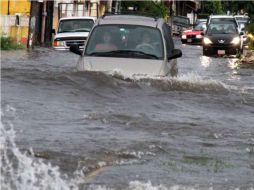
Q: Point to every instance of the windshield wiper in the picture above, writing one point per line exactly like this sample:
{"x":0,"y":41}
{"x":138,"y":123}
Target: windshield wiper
{"x":124,"y":53}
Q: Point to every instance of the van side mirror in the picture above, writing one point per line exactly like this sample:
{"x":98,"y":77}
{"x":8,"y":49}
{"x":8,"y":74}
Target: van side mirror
{"x":53,"y":31}
{"x":175,"y":54}
{"x":74,"y":48}
{"x":202,"y":33}
{"x":241,"y":33}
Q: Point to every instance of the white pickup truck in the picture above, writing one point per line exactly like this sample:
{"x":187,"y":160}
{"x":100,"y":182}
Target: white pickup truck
{"x":72,"y":30}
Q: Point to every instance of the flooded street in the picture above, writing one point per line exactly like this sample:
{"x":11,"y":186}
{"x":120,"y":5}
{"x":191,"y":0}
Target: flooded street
{"x":195,"y":131}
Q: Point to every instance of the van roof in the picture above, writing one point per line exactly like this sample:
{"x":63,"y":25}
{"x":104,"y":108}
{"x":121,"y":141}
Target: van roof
{"x":78,"y":17}
{"x":130,"y":19}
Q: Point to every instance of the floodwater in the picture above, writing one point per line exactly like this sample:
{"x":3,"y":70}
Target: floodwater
{"x":63,"y":129}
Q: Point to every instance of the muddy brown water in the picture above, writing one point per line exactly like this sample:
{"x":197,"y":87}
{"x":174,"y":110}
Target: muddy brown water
{"x":195,"y":131}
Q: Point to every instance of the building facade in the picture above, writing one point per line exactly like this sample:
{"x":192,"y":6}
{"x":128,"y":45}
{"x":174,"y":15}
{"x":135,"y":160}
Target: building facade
{"x":15,"y":19}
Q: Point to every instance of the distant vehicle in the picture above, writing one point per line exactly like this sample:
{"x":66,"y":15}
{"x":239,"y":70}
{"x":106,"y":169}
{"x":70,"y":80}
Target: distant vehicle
{"x":179,"y":24}
{"x":72,"y":30}
{"x":222,"y":37}
{"x":194,"y":35}
{"x":133,"y":45}
{"x":222,"y":18}
{"x":200,"y":20}
{"x":242,"y":21}
{"x":245,"y":19}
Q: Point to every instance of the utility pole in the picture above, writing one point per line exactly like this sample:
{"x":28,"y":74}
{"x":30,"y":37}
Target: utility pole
{"x":32,"y":25}
{"x":75,"y":8}
{"x":44,"y":15}
{"x":8,"y":7}
{"x":109,"y":6}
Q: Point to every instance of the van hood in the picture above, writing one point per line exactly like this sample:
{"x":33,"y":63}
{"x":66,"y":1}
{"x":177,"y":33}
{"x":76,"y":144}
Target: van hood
{"x":126,"y":66}
{"x":71,"y":34}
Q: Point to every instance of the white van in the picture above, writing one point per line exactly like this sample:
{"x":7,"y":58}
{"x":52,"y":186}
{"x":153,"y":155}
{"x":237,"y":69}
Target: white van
{"x":133,"y":45}
{"x":72,"y":30}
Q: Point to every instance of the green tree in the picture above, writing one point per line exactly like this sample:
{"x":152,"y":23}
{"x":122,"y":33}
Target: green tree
{"x":212,"y":7}
{"x":155,"y":8}
{"x":236,"y":6}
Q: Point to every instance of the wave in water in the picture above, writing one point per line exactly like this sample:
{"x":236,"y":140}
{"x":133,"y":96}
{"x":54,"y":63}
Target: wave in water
{"x":190,"y":82}
{"x":22,"y":172}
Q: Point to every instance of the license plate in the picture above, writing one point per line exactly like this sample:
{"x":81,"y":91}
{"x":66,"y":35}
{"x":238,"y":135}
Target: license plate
{"x":221,"y":52}
{"x":189,"y":40}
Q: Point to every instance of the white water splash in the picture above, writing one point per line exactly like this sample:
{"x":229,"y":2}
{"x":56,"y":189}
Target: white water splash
{"x":23,"y":172}
{"x":190,"y":78}
{"x":20,"y":171}
{"x":189,"y":82}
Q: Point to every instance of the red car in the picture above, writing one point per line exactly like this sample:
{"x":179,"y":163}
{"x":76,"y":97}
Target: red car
{"x":194,"y":35}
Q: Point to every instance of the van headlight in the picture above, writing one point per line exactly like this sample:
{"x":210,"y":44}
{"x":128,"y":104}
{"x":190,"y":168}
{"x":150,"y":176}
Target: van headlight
{"x":236,"y":40}
{"x":58,"y":43}
{"x":207,"y":41}
{"x":184,"y":36}
{"x":199,"y":36}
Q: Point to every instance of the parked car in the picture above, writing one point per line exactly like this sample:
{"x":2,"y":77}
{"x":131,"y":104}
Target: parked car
{"x":200,"y":20}
{"x":242,"y":18}
{"x":222,"y":37}
{"x":133,"y":45}
{"x":72,"y":30}
{"x":242,"y":21}
{"x":179,"y":24}
{"x":194,"y":35}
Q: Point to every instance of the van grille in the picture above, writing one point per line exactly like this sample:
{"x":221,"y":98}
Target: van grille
{"x":79,"y":43}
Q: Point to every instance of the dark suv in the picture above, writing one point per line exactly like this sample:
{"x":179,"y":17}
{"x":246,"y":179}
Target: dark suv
{"x":222,"y":37}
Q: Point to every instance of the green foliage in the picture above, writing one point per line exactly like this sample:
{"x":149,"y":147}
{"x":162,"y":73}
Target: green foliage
{"x":147,"y":7}
{"x":251,"y":44}
{"x":234,"y":6}
{"x":7,"y":43}
{"x":250,"y":28}
{"x":212,"y":7}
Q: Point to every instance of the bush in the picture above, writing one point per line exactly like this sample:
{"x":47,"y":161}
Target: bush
{"x":250,"y":28}
{"x":7,"y":43}
{"x":250,"y":31}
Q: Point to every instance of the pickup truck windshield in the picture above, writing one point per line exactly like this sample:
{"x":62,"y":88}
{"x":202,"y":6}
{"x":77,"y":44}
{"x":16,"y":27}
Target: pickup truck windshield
{"x":127,"y":41}
{"x":75,"y":25}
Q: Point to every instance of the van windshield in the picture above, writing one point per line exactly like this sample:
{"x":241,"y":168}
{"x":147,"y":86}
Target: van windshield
{"x":75,"y":25}
{"x":125,"y":41}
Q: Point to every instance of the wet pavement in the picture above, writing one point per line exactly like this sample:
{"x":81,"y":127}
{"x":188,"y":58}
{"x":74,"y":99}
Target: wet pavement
{"x":195,"y":131}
